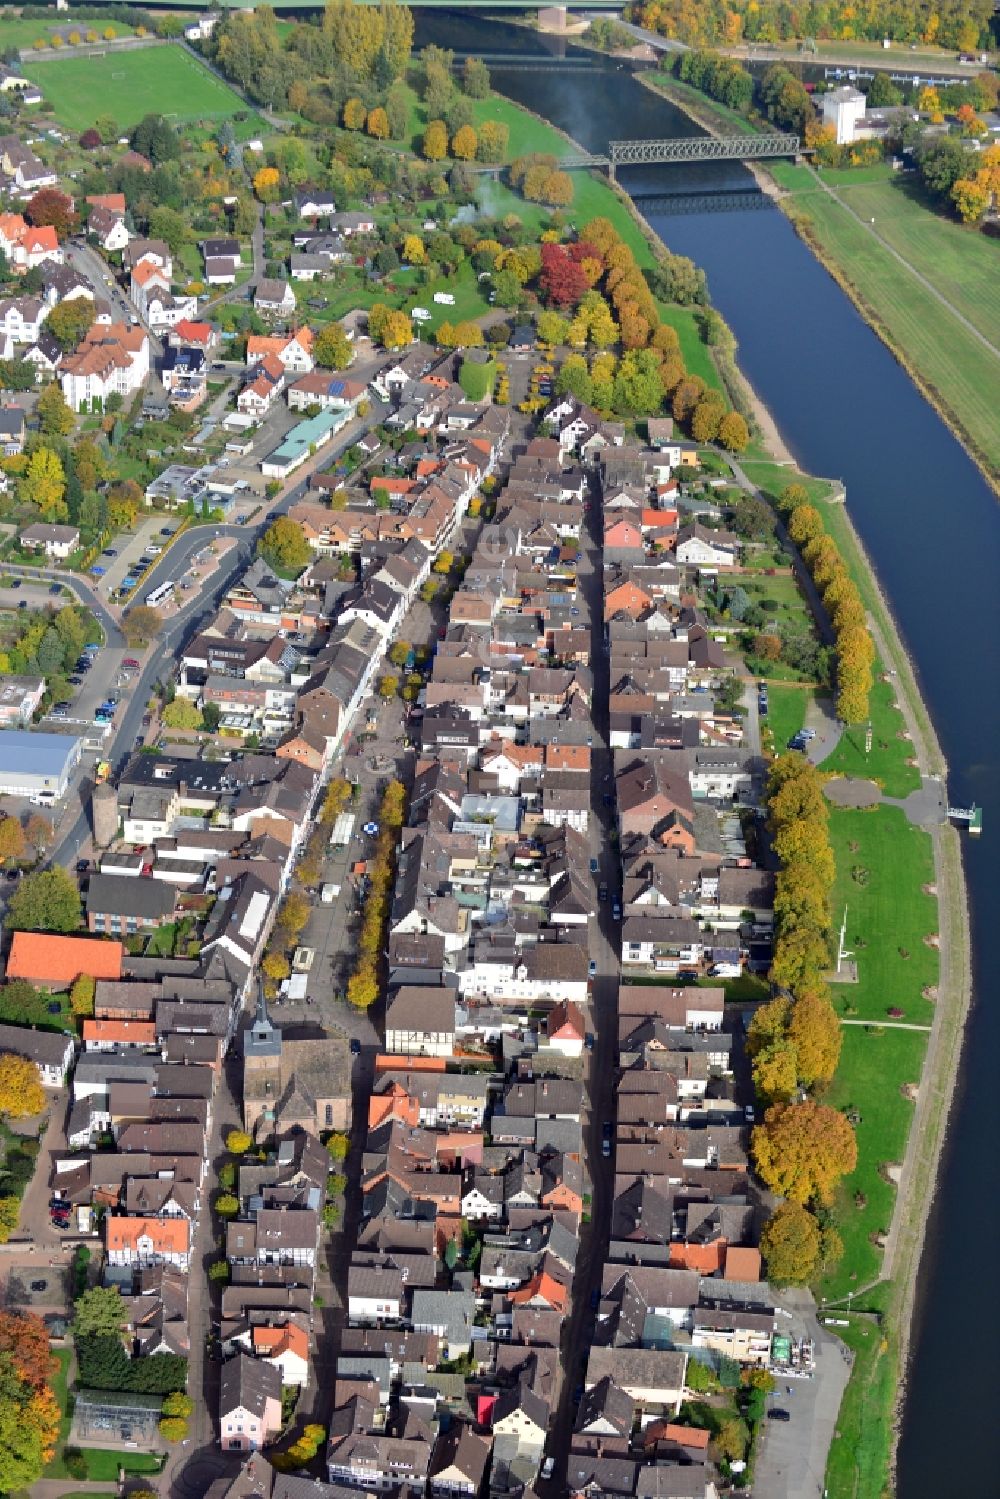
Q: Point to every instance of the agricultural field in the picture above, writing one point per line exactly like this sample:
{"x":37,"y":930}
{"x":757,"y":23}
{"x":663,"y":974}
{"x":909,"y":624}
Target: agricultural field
{"x":17,"y":33}
{"x":165,"y":80}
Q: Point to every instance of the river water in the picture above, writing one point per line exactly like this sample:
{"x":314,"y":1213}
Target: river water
{"x":932,"y":528}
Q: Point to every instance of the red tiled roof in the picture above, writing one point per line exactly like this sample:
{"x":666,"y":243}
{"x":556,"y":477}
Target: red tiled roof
{"x":45,"y":959}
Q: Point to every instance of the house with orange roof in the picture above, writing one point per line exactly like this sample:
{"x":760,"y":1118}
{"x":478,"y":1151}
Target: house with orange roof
{"x":113,"y":201}
{"x":119,"y":1035}
{"x":566,"y":1028}
{"x":147,"y":1241}
{"x":287,"y":1348}
{"x":267,"y":380}
{"x":56,"y":962}
{"x":541,"y":1290}
{"x":113,"y":359}
{"x":201,"y":335}
{"x":26,"y":247}
{"x":628,"y":598}
{"x":293,"y":351}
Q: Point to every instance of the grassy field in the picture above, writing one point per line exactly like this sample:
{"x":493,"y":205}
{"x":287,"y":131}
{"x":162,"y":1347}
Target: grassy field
{"x":786,"y":712}
{"x":858,"y":1462}
{"x":16,"y":32}
{"x":166,"y":79}
{"x":962,"y":264}
{"x":887,"y":762}
{"x":954,"y":367}
{"x":527,"y":134}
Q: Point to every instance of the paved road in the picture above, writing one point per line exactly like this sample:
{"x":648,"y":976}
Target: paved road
{"x":604,"y":949}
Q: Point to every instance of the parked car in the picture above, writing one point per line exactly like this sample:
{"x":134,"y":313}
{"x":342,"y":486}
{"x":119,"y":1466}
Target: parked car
{"x":777,"y":1414}
{"x":616,"y":909}
{"x":602,"y":892}
{"x":55,"y":588}
{"x":592,"y":969}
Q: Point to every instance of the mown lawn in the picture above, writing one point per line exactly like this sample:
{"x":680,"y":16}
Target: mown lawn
{"x":167,"y":80}
{"x":874,"y":1064}
{"x":886,"y":763}
{"x":858,"y":1460}
{"x":16,"y":32}
{"x":526,"y":133}
{"x":962,"y":372}
{"x":786,"y":712}
{"x":883,"y":863}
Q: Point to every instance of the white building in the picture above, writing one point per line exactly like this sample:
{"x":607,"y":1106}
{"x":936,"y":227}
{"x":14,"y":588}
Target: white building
{"x":844,"y":109}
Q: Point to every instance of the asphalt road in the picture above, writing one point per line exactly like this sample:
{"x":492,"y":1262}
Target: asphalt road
{"x":604,"y":943}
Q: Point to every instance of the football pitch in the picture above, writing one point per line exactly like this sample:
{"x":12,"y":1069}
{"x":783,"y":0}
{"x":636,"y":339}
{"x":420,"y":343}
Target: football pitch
{"x":128,"y":85}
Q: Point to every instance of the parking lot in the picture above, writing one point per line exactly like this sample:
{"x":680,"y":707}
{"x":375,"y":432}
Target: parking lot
{"x":128,"y":548}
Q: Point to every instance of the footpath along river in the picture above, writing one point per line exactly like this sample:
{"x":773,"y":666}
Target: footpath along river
{"x":931,"y":526}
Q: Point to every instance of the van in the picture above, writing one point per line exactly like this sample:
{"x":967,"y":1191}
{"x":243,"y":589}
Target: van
{"x":444,"y":298}
{"x":421,"y":315}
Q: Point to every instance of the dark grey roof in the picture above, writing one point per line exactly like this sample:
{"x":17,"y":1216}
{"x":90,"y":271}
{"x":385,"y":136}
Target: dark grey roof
{"x":125,"y":895}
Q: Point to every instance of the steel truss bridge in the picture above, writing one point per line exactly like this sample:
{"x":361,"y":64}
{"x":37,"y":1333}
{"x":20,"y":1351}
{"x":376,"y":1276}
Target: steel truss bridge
{"x":686,"y":149}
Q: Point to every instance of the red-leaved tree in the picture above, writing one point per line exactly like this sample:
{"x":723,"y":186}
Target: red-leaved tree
{"x":562,"y":281}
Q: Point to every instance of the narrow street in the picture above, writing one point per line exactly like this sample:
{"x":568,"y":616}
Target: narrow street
{"x":604,"y":949}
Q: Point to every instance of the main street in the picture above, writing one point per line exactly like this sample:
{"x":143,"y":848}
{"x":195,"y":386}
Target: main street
{"x":604,"y":950}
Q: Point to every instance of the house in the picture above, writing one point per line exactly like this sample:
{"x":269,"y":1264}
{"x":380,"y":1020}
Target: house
{"x":522,"y":1417}
{"x":148,"y":251}
{"x":222,"y":260}
{"x":249,"y":1404}
{"x":184,"y":372}
{"x":120,"y":906}
{"x":459,"y":1463}
{"x":55,"y":962}
{"x":420,"y":1021}
{"x":147,"y":1241}
{"x":314,"y":202}
{"x":21,"y":319}
{"x":653,"y":1377}
{"x":449,"y":1315}
{"x":274,"y":296}
{"x":51,"y":1051}
{"x":20,"y":699}
{"x":11,"y":430}
{"x":328,"y":392}
{"x":699,"y":547}
{"x":287,"y":1348}
{"x":293,"y":351}
{"x":844,"y":109}
{"x":107,"y":227}
{"x":57,"y":542}
{"x":347,"y":224}
{"x":113,"y":359}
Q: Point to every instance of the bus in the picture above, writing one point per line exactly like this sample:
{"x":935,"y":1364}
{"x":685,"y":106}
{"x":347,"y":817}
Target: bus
{"x":161,"y":595}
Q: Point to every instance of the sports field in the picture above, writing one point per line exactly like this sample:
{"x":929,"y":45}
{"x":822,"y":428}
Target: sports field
{"x":128,"y":85}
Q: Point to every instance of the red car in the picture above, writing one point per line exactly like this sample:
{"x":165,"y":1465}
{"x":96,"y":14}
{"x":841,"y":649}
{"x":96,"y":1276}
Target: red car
{"x":131,"y":663}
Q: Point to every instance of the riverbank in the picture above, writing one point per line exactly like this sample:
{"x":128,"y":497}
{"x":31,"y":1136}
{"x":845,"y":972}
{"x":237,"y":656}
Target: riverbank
{"x":951,"y":361}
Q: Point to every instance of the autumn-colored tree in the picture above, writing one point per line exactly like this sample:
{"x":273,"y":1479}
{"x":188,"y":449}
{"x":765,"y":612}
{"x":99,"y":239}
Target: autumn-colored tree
{"x":464,"y":143}
{"x":284,"y":546}
{"x":332,"y":348}
{"x":182,"y":714}
{"x":393,"y":804}
{"x":266,"y":181}
{"x":791,"y":497}
{"x":294,"y":913}
{"x":929,"y":103}
{"x":45,"y":484}
{"x":494,"y":141}
{"x":706,"y":417}
{"x":397,"y":330}
{"x":238,"y":1142}
{"x":354,"y":114}
{"x":774,"y":1072}
{"x":388,"y":685}
{"x":362,"y":988}
{"x":435,"y":141}
{"x":275,"y":966}
{"x":337,"y":1145}
{"x":790,"y":1244}
{"x":557,"y":190}
{"x":768,"y":1024}
{"x":81,"y":996}
{"x":802,"y":1150}
{"x":12,"y":842}
{"x":21,"y":1091}
{"x":38,"y":829}
{"x":337,"y":797}
{"x":816,"y":1034}
{"x":54,"y":416}
{"x":801,"y":956}
{"x":805,"y":524}
{"x":377,"y":124}
{"x":734,"y":434}
{"x":141,"y":624}
{"x":172,"y":1428}
{"x":49,"y":206}
{"x":767,"y":646}
{"x":686,"y":397}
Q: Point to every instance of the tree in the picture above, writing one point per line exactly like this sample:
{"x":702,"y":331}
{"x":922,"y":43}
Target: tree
{"x":182,"y":714}
{"x":790,"y":1244}
{"x":791,"y":497}
{"x":238,"y":1142}
{"x":337,"y":1145}
{"x":388,"y":685}
{"x":706,"y":417}
{"x":218,"y":1271}
{"x":686,"y":397}
{"x":275,"y":966}
{"x":464,"y":143}
{"x":266,"y":184}
{"x":354,"y":115}
{"x":178,"y":1404}
{"x":173,"y":1429}
{"x":476,"y":78}
{"x":562,"y":280}
{"x":494,"y":141}
{"x":284,"y":546}
{"x":816,"y":1034}
{"x":99,"y":1312}
{"x":338,"y":793}
{"x":802,"y":1150}
{"x":734,"y":434}
{"x":21,"y":1091}
{"x":377,"y":124}
{"x":141,"y":624}
{"x":12,"y":841}
{"x":227,"y":1205}
{"x":47,"y":901}
{"x":51,"y":207}
{"x":81,"y":996}
{"x":435,"y":142}
{"x":362,"y":988}
{"x":774,"y":1072}
{"x":54,"y":416}
{"x":552,"y":327}
{"x":45,"y":484}
{"x":332,"y":348}
{"x":294,"y":913}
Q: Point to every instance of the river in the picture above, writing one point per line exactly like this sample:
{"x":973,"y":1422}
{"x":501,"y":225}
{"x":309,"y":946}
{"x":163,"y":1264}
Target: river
{"x":932,"y":528}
